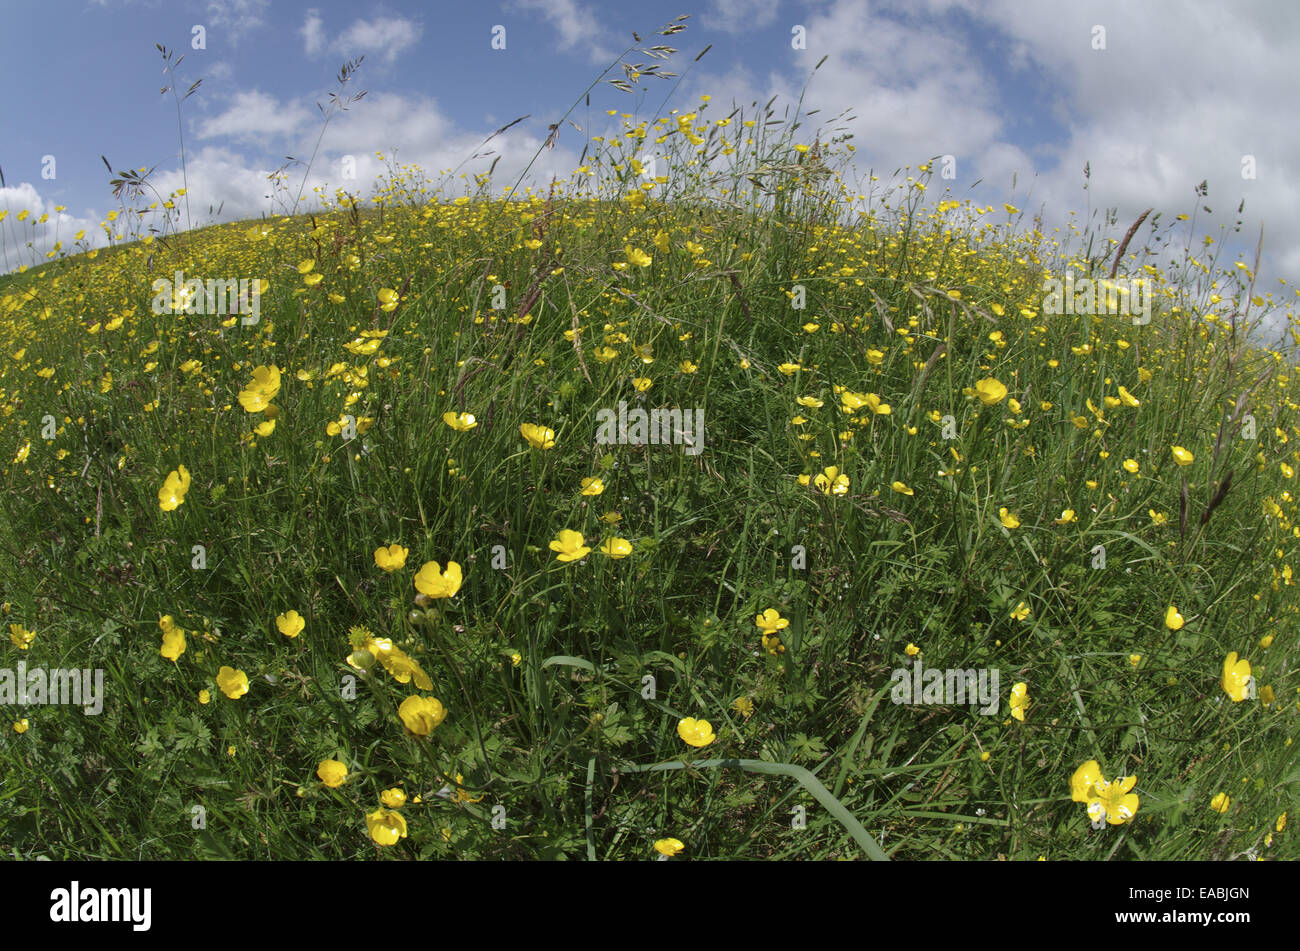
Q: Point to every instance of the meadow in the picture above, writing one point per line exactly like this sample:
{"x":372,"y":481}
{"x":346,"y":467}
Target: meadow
{"x":363,"y":581}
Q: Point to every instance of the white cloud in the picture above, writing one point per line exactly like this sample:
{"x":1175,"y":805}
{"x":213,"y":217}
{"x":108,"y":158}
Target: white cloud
{"x":741,"y":16}
{"x":237,"y":17}
{"x":313,"y":33}
{"x":221,"y":178}
{"x":225,"y":184}
{"x":575,"y":23}
{"x":253,"y":115}
{"x":385,"y":37}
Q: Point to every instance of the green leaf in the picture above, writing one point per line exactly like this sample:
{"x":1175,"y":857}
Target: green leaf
{"x":569,"y":662}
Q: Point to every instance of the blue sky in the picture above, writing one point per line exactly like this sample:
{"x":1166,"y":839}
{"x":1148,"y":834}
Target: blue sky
{"x":1013,"y":89}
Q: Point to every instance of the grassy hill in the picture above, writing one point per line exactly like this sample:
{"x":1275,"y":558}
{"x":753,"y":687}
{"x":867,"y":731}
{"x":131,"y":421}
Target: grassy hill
{"x":904,"y":460}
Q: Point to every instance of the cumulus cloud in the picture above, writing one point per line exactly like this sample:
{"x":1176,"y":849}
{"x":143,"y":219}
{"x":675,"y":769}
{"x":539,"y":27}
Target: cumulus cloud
{"x":575,"y":24}
{"x":237,"y":17}
{"x":313,"y":33}
{"x":253,"y":115}
{"x":383,"y":37}
{"x":222,"y":179}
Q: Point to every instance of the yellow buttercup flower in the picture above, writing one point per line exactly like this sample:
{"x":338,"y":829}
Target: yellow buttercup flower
{"x":264,"y":387}
{"x":399,"y":665}
{"x":770,"y":621}
{"x":851,"y":402}
{"x":421,"y":714}
{"x":1113,"y":801}
{"x":173,"y":490}
{"x":1007,"y":518}
{"x":539,"y":437}
{"x":1082,"y":781}
{"x":637,"y":256}
{"x":668,"y":847}
{"x":873,"y":403}
{"x":1109,"y":801}
{"x":695,"y":732}
{"x":569,"y":545}
{"x":1173,"y":620}
{"x":385,"y":826}
{"x":391,"y":558}
{"x":990,"y":391}
{"x":21,"y":637}
{"x":1019,"y":700}
{"x":1236,"y":677}
{"x":332,"y":773}
{"x":233,"y":683}
{"x":173,"y":642}
{"x":290,"y":623}
{"x":461,"y":422}
{"x":831,"y":482}
{"x":1182,"y":456}
{"x":617,"y":547}
{"x":434,"y":583}
{"x":1221,"y":802}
